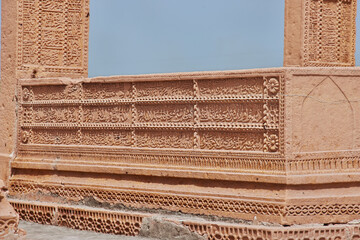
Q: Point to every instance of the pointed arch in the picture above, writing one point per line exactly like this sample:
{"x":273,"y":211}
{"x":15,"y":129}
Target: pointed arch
{"x":327,"y":119}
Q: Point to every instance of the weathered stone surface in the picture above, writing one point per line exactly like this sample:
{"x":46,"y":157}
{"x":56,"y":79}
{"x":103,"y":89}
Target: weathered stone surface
{"x":162,"y":229}
{"x":45,"y":232}
{"x":9,"y":220}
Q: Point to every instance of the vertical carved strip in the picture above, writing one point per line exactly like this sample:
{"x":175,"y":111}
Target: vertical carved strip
{"x":81,"y":119}
{"x":320,"y":10}
{"x":196,"y":116}
{"x":281,"y":126}
{"x":133,"y":114}
{"x":66,"y":32}
{"x":353,"y":31}
{"x":20,"y":19}
{"x":338,"y":40}
{"x":86,"y":19}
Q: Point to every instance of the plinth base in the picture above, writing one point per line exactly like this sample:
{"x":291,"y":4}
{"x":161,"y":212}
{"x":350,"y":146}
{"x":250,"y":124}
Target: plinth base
{"x":131,"y":223}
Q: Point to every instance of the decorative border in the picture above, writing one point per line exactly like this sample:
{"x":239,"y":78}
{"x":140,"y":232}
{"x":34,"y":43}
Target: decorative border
{"x":219,"y":205}
{"x":80,"y":218}
{"x":147,"y":158}
{"x":130,"y":224}
{"x":240,"y":231}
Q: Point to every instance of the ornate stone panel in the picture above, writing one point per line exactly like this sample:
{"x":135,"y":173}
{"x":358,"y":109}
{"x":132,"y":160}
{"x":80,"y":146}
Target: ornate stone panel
{"x":329,"y":34}
{"x":53,"y":36}
{"x":242,"y":115}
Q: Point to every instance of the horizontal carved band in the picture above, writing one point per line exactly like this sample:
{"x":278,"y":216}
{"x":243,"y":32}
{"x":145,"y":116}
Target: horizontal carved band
{"x":195,"y":204}
{"x":116,"y":222}
{"x":235,"y":114}
{"x":79,"y":218}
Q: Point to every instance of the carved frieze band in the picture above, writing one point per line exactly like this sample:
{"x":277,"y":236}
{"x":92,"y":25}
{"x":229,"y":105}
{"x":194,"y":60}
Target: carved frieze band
{"x":187,"y":203}
{"x":236,"y":114}
{"x":195,"y":204}
{"x":329,"y":34}
{"x":236,"y":231}
{"x":79,"y":218}
{"x":115,"y":222}
{"x":53,"y":35}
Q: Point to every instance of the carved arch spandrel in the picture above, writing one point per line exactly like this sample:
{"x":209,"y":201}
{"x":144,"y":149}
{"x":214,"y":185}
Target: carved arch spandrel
{"x":327,"y":119}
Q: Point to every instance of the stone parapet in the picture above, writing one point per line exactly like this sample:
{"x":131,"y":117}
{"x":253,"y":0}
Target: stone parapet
{"x":279,"y":144}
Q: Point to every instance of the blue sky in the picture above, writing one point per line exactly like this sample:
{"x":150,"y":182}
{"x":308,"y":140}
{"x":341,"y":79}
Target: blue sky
{"x":153,"y":36}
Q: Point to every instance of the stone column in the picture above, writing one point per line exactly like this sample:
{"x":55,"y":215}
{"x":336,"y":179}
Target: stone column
{"x":320,"y":33}
{"x":7,"y":85}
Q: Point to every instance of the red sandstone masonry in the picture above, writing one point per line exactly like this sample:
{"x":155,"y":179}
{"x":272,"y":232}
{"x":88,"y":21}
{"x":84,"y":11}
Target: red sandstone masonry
{"x":277,"y":144}
{"x":117,"y":222}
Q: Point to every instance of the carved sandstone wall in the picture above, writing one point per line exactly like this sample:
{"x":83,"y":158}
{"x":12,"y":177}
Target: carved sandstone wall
{"x":279,"y":144}
{"x":167,"y":141}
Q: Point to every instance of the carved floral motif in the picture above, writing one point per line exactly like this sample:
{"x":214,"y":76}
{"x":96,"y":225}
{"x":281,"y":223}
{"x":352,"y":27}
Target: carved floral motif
{"x":271,"y":142}
{"x":25,"y":135}
{"x":26,"y":94}
{"x":272,"y":86}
